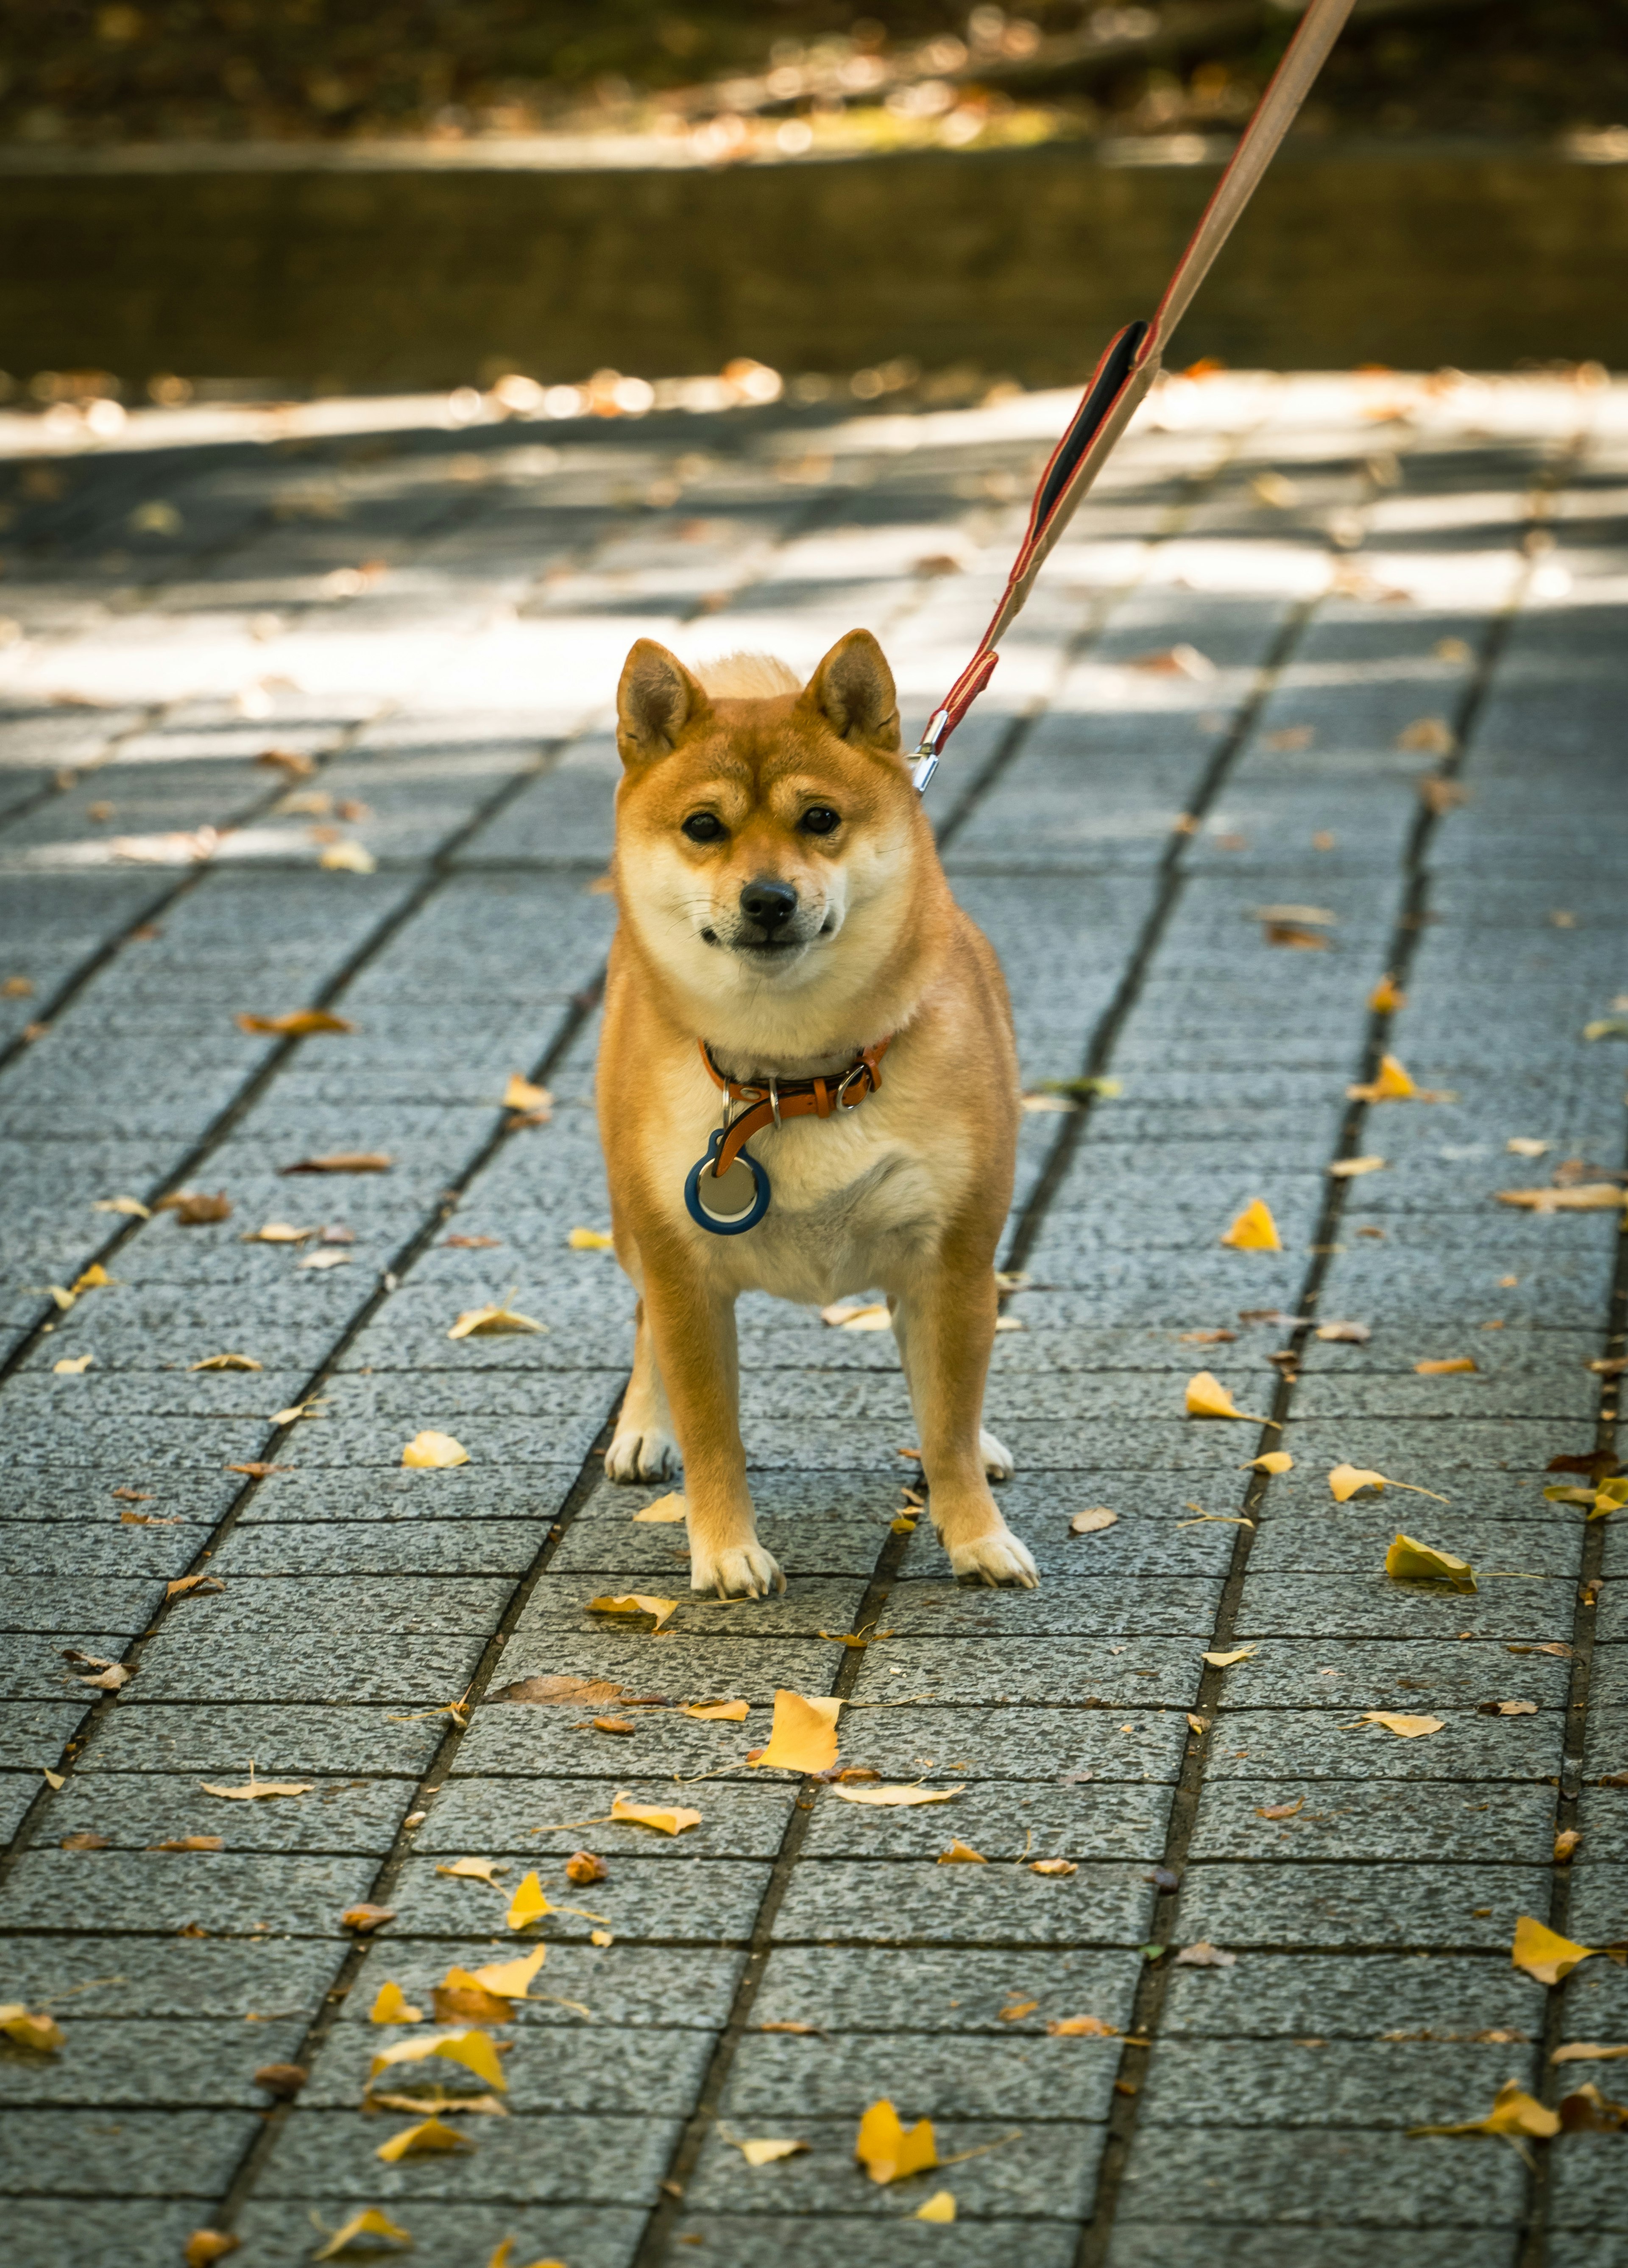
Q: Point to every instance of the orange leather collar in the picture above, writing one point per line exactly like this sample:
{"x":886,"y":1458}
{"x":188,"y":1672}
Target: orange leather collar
{"x":769,"y":1100}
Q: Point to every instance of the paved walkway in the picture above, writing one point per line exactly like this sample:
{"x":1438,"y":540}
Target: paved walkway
{"x":432,"y":620}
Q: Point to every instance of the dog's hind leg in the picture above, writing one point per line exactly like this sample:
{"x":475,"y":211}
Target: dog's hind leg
{"x":945,"y":1328}
{"x":644,"y":1447}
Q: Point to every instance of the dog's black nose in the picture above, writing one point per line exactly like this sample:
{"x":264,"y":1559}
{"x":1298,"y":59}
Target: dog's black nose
{"x":769,"y":901}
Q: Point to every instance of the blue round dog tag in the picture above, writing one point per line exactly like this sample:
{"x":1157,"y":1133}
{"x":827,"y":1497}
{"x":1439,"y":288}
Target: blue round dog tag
{"x":729,"y":1203}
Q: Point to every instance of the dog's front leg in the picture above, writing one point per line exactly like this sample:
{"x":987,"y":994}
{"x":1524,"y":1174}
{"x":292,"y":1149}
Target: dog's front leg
{"x":945,"y":1328}
{"x":694,"y":1333}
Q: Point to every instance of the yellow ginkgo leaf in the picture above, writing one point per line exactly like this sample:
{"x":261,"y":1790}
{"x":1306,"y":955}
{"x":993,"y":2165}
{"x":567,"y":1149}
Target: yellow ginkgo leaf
{"x":770,"y":2152}
{"x":887,"y":2151}
{"x":433,"y":1452}
{"x":40,"y":2033}
{"x":226,"y":1362}
{"x":1514,"y":2112}
{"x":471,"y":2049}
{"x":370,"y":2223}
{"x":511,"y":1979}
{"x":1408,"y":1561}
{"x":430,"y":2138}
{"x":462,"y":1998}
{"x":476,"y":1870}
{"x":1254,"y":1230}
{"x":1226,"y":1661}
{"x":74,"y":1366}
{"x":1453,"y":1366}
{"x":1272,"y":1461}
{"x":521,"y":1095}
{"x":634,"y":1602}
{"x":1345,"y":1480}
{"x":1404,"y":1728}
{"x":527,"y":1904}
{"x":1387,"y":997}
{"x":1392,"y":1085}
{"x":590,"y":1239}
{"x":132,"y":1206}
{"x":667,"y":1819}
{"x":492,"y":1322}
{"x":665,"y":1509}
{"x":718,"y":1712}
{"x":391,"y":2006}
{"x":92,"y":1279}
{"x":501,"y":2258}
{"x":960,"y":1854}
{"x":347,"y":857}
{"x":939,"y":2206}
{"x":297,"y":1024}
{"x":1207,"y":1397}
{"x":803,"y":1736}
{"x":1543,"y":1953}
{"x":888,"y":1797}
{"x":279,"y":1232}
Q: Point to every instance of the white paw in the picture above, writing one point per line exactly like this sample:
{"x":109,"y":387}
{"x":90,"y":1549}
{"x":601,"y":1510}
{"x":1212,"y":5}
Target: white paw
{"x":996,"y":1455}
{"x":747,"y":1573}
{"x":642,"y":1454}
{"x":996,"y":1559}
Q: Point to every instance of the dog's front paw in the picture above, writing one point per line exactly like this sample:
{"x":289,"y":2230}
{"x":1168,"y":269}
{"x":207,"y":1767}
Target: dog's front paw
{"x":747,"y":1572}
{"x":998,"y":1461}
{"x":642,"y":1454}
{"x":999,"y":1558}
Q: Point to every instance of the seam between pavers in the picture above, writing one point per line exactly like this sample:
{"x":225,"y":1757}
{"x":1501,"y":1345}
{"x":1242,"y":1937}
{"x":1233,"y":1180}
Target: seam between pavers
{"x":1096,"y":2234}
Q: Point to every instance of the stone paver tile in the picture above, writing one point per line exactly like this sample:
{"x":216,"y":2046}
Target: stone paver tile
{"x":1044,"y":2171}
{"x":285,"y":1739}
{"x":141,"y":2231}
{"x":859,"y":1989}
{"x":1279,"y":1747}
{"x":144,"y":2154}
{"x":1298,"y":2178}
{"x":603,"y":2159}
{"x":1355,"y":1996}
{"x":1208,"y":2244}
{"x":617,"y":2070}
{"x":775,"y":2079}
{"x":1376,"y":1819}
{"x":279,"y":2231}
{"x":172,"y":1976}
{"x":190,"y":1661}
{"x":135,"y":1810}
{"x":1337,"y":1906}
{"x":1371,"y":1606}
{"x":499,"y":1815}
{"x":170,"y":2064}
{"x":1153,"y":1672}
{"x":839,"y":1901}
{"x":1282,"y":2084}
{"x":1003,"y":1823}
{"x":236,"y":1895}
{"x":683,"y":1987}
{"x":664,"y":1894}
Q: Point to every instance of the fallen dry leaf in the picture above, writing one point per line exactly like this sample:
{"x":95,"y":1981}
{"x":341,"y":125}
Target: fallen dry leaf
{"x":1451,"y":1366}
{"x":433,"y":1452}
{"x":205,"y":2245}
{"x":366,"y":1918}
{"x":462,"y":1998}
{"x":279,"y":1232}
{"x":1566,"y":1843}
{"x":557,"y":1691}
{"x":529,"y":1903}
{"x":1280,"y":1810}
{"x":476,"y":1870}
{"x":1053,"y":1866}
{"x":1408,"y":1561}
{"x":941,"y":2207}
{"x":391,"y":2006}
{"x":1431,"y":736}
{"x":1514,"y":2112}
{"x":1206,"y":1338}
{"x":1584,"y":1196}
{"x":717,"y":1712}
{"x":789,"y":2024}
{"x":1015,"y":2010}
{"x":85,"y":1840}
{"x":1348,"y":1169}
{"x":343,"y":1161}
{"x":847,"y":1317}
{"x":623,"y":1725}
{"x":1587,"y":2111}
{"x":1406,"y":1728}
{"x":1296,"y":937}
{"x":492,"y":1322}
{"x":1542,"y":1952}
{"x":1349,"y":1334}
{"x":1587,"y":2052}
{"x":1345,"y":1480}
{"x":667,"y":1819}
{"x":254,"y":1788}
{"x":893,"y":1797}
{"x":1205,"y":1956}
{"x":591,"y":1239}
{"x":1393,"y":1084}
{"x":668,"y":1508}
{"x":226,"y":1362}
{"x":1272,"y":1461}
{"x":1086,"y":2027}
{"x":1207,"y":1397}
{"x":521,"y":1095}
{"x":1506,"y":1708}
{"x":1226,"y":1661}
{"x":195,"y":1208}
{"x":295,"y":1023}
{"x":512,"y":1980}
{"x":257,"y":1471}
{"x":803,"y":1735}
{"x":1387,"y":997}
{"x":961,"y":1854}
{"x":185,"y":1586}
{"x":636,"y":1602}
{"x":72,"y":1366}
{"x":1181,"y":660}
{"x":283,"y":2080}
{"x":325,"y":1260}
{"x":887,"y":2151}
{"x":473,"y":1243}
{"x":1254,"y":1230}
{"x":41,"y":2034}
{"x":191,"y":1842}
{"x":768,"y":2152}
{"x":370,"y":2223}
{"x":471,"y":2049}
{"x":1527,"y":1146}
{"x":347,"y":857}
{"x":430,"y":2138}
{"x":113,"y":1677}
{"x":1092,"y":1522}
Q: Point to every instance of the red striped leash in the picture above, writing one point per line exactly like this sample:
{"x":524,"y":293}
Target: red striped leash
{"x":1131,"y":361}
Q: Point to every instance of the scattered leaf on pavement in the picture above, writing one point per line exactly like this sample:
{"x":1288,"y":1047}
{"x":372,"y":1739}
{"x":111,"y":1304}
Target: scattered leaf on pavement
{"x":40,"y":2033}
{"x":73,"y":1365}
{"x":959,"y":1853}
{"x":591,"y":1239}
{"x":284,"y":2080}
{"x":1254,"y":1230}
{"x":634,"y":1602}
{"x":1514,"y":2112}
{"x":1583,"y":1196}
{"x":1387,"y":997}
{"x":1345,"y":1480}
{"x":492,"y":1322}
{"x":462,"y":1998}
{"x":1226,"y":1661}
{"x":665,"y":1508}
{"x":430,"y":2138}
{"x":325,"y":1260}
{"x":803,"y":1735}
{"x":582,"y":1867}
{"x":1449,"y":1367}
{"x":295,"y":1023}
{"x":476,"y":1870}
{"x":471,"y":2049}
{"x":343,"y":1161}
{"x":529,"y":1904}
{"x":1587,"y":2052}
{"x":1272,"y":1461}
{"x":433,"y":1452}
{"x":521,"y":1095}
{"x":554,"y":1691}
{"x":1405,"y":1727}
{"x":391,"y":2006}
{"x":887,"y":2151}
{"x":941,"y":2207}
{"x":512,"y":1980}
{"x":205,"y":2245}
{"x":366,"y":1918}
{"x":718,"y":1712}
{"x":1280,"y":1810}
{"x":1207,"y":1397}
{"x":253,"y":1789}
{"x":1392,"y":1085}
{"x":226,"y":1362}
{"x":1053,"y":1866}
{"x":844,"y":1315}
{"x":191,"y":1842}
{"x":895,"y":1798}
{"x":1204,"y":1955}
{"x":278,"y":1232}
{"x":1085,"y":2027}
{"x":184,"y":1585}
{"x":370,"y":2223}
{"x":1409,"y":1561}
{"x":1295,"y":936}
{"x":667,"y":1819}
{"x":768,"y":2152}
{"x":1543,"y":1953}
{"x":1343,"y":1333}
{"x":1090,"y":1523}
{"x":194,"y":1208}
{"x":1348,"y":1169}
{"x":347,"y":857}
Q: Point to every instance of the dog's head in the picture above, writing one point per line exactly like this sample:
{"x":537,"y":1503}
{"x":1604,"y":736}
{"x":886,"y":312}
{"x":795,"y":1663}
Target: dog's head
{"x":767,"y":845}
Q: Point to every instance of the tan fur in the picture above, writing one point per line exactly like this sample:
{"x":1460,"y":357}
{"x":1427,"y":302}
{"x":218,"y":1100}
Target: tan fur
{"x":909,"y":1192}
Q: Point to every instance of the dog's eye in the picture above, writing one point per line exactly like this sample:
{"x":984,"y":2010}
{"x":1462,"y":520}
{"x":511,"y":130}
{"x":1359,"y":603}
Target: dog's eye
{"x":819,"y":819}
{"x":702,"y":827}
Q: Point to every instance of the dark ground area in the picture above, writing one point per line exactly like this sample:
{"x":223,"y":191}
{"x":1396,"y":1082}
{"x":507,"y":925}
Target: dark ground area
{"x":232,"y":69}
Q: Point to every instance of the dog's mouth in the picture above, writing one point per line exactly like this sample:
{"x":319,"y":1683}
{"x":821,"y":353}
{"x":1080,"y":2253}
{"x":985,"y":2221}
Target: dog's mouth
{"x":767,"y":951}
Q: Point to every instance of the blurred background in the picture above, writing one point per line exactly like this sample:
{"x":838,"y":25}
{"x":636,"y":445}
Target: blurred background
{"x":608,"y":203}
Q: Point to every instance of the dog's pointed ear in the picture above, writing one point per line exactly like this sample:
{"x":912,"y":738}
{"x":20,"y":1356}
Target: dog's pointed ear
{"x":853,"y":690}
{"x":657,"y":698}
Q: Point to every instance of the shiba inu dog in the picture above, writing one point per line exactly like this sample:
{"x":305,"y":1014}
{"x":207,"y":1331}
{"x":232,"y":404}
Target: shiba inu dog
{"x":789,"y":955}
